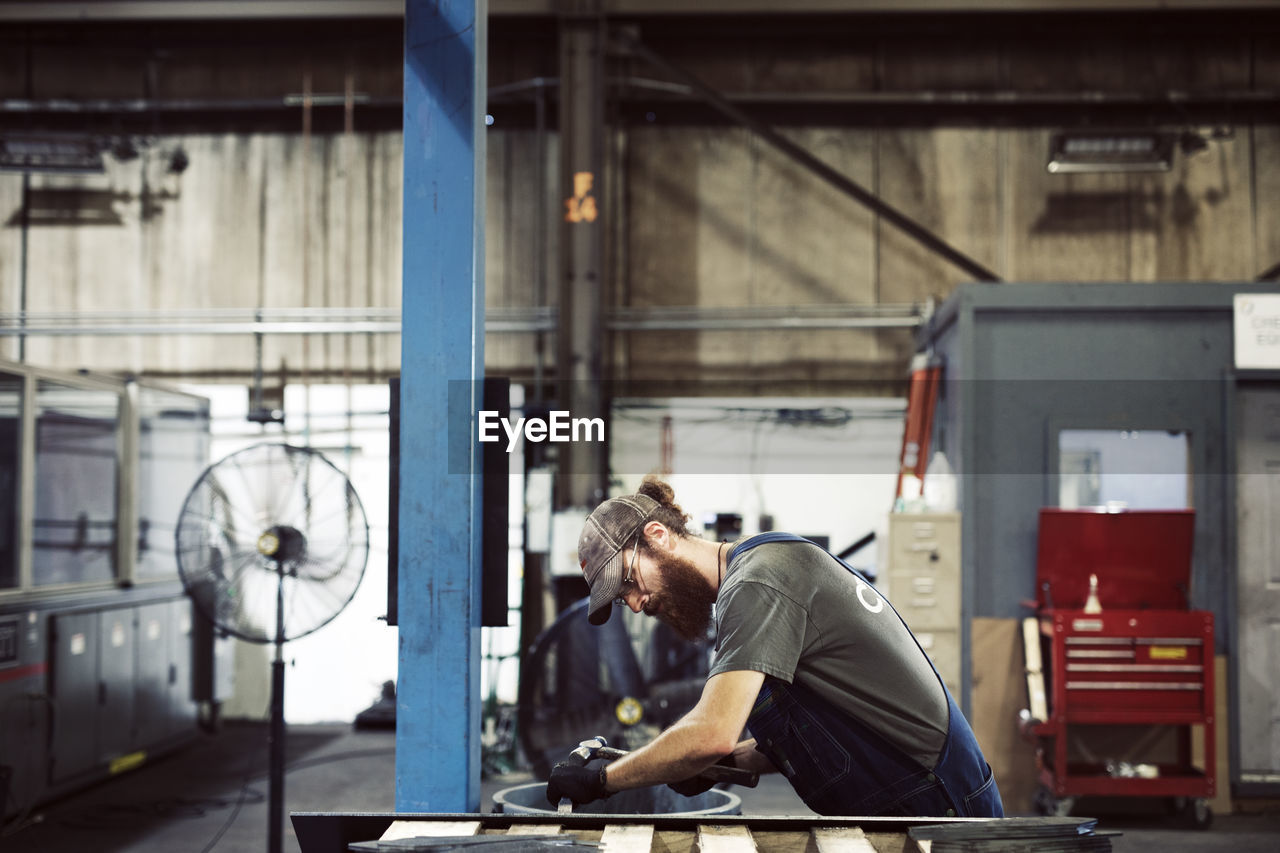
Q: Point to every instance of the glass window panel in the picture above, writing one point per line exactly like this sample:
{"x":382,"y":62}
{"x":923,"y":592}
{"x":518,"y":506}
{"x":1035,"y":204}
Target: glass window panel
{"x":1135,"y":469}
{"x":10,"y":475}
{"x":74,"y":530}
{"x":173,"y":450}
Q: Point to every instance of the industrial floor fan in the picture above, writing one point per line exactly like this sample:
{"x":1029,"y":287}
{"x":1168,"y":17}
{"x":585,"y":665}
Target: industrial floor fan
{"x":626,"y":680}
{"x":272,"y":543}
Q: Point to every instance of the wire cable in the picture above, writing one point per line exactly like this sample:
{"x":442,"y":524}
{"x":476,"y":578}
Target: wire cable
{"x":244,"y":790}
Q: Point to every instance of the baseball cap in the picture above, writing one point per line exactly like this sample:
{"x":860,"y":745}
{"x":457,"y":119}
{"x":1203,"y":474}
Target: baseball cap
{"x":609,"y":528}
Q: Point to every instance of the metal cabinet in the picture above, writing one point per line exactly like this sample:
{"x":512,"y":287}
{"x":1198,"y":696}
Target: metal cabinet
{"x":117,"y":664}
{"x":163,"y":705}
{"x":120,"y":679}
{"x":152,"y":685}
{"x":924,"y":585}
{"x":26,"y":713}
{"x":73,"y":678}
{"x":182,"y":706}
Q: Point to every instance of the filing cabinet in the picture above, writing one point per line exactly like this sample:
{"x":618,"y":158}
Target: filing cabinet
{"x":923,"y":582}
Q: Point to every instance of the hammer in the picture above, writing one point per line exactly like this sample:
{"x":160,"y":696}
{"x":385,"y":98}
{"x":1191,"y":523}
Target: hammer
{"x":586,"y":751}
{"x":597,"y":747}
{"x":714,"y":773}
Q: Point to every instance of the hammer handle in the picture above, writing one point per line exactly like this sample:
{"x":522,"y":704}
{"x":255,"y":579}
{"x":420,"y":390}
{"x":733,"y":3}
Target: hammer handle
{"x":716,"y":772}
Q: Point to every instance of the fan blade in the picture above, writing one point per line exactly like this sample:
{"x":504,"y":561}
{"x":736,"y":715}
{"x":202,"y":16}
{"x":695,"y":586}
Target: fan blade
{"x":304,"y":574}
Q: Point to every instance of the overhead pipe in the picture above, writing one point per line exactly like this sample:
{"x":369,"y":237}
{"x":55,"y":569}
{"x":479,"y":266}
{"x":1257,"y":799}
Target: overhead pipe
{"x":540,"y":320}
{"x":1178,"y":98}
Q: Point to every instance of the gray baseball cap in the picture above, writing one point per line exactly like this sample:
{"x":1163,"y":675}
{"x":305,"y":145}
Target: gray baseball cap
{"x":609,"y":529}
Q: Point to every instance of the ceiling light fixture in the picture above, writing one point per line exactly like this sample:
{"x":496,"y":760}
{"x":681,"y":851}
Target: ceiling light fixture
{"x":62,"y":154}
{"x":1110,"y":151}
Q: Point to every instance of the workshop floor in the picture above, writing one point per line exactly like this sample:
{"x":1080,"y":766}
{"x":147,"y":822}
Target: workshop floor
{"x":211,"y":797}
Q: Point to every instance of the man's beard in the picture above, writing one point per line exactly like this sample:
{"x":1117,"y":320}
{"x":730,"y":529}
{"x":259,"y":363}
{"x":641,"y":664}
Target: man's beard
{"x":686,"y":597}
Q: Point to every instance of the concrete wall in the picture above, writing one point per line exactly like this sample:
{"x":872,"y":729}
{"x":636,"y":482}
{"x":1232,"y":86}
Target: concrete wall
{"x":710,"y":217}
{"x":700,"y":212}
{"x":259,"y":220}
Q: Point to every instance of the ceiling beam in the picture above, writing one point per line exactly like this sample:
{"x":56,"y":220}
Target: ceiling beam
{"x":160,"y":10}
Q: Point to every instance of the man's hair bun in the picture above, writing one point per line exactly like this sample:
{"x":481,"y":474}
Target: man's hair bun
{"x":668,"y":511}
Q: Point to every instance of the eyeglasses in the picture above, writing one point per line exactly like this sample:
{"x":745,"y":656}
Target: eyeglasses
{"x":628,"y":582}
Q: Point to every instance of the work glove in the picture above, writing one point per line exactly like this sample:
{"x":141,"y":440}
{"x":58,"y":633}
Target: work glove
{"x":695,"y":785}
{"x":578,"y":783}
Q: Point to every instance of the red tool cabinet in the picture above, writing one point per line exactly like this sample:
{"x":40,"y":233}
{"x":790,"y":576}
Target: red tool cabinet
{"x":1145,"y":659}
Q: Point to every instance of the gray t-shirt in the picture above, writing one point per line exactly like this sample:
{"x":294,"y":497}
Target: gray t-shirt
{"x":790,"y":610}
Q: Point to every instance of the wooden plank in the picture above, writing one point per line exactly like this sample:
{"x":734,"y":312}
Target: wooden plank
{"x":534,"y":829}
{"x":841,"y":839}
{"x":998,"y":693}
{"x":1220,"y":802}
{"x":431,"y":828}
{"x":1039,"y":705}
{"x":716,"y":838}
{"x":627,"y":838}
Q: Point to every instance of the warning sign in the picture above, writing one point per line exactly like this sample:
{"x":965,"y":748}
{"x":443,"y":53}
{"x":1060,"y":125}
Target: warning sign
{"x":1257,"y":331}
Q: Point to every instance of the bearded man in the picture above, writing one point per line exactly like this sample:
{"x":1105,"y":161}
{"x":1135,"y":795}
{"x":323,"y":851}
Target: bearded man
{"x":834,"y":689}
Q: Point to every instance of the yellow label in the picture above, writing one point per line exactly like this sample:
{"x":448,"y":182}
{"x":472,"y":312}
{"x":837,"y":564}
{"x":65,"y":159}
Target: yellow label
{"x":127,"y":762}
{"x":1168,"y":652}
{"x":629,"y":711}
{"x":581,"y":206}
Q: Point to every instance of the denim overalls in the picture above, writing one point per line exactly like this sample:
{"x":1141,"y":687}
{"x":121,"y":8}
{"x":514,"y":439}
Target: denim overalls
{"x":839,"y":766}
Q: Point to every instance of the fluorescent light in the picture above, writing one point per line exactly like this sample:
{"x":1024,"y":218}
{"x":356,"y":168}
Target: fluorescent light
{"x":1111,"y":151}
{"x":50,"y":154}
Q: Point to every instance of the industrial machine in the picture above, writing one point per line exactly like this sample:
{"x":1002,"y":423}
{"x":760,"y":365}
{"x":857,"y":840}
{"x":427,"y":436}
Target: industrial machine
{"x":272,"y":544}
{"x":1114,"y":644}
{"x":97,"y":668}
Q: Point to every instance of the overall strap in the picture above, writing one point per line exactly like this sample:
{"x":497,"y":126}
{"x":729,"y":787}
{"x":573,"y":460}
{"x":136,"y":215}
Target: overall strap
{"x":780,"y":536}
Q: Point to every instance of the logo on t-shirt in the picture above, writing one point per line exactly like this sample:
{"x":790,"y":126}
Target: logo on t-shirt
{"x":876,"y":604}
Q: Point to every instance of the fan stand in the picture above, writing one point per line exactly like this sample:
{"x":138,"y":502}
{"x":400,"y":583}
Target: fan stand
{"x":293,"y":493}
{"x":281,"y":544}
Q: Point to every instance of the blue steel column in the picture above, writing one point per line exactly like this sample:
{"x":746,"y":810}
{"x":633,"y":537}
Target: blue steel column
{"x":442,"y":349}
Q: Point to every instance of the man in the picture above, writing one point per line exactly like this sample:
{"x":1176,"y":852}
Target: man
{"x":833,"y":687}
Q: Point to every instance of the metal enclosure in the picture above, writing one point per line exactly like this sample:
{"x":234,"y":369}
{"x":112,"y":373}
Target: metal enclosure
{"x":1258,"y":581}
{"x":1024,"y":362}
{"x":96,"y":652}
{"x":117,"y":667}
{"x":73,"y":681}
{"x":924,"y":584}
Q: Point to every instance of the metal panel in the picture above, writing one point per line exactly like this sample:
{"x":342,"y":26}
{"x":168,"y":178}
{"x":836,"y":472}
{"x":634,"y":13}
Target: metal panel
{"x":182,"y":709}
{"x":151,"y":684}
{"x":924,"y":569}
{"x":1258,"y":582}
{"x":117,"y":637}
{"x":11,"y":410}
{"x":74,"y":683}
{"x":437,"y":736}
{"x":27,"y":710}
